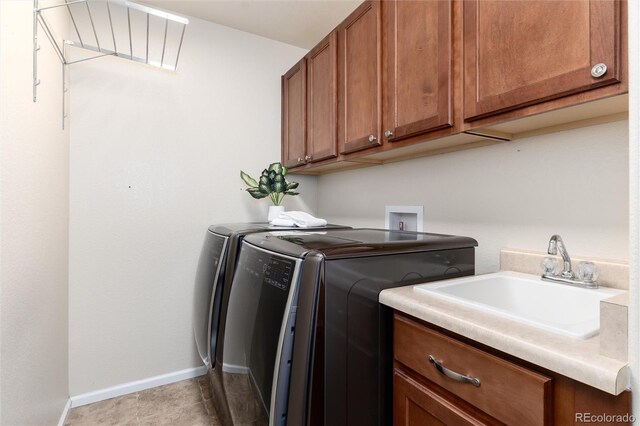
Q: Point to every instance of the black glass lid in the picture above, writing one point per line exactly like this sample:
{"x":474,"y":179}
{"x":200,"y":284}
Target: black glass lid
{"x":227,"y":229}
{"x":356,"y":242}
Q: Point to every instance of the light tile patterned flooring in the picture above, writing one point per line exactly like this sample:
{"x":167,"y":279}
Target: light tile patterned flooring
{"x":185,"y":403}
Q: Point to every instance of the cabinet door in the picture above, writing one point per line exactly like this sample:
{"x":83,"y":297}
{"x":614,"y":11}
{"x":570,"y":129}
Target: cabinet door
{"x":322,"y":100}
{"x":417,"y":73}
{"x":294,"y":89}
{"x":519,"y":53}
{"x":418,"y":405}
{"x":360,"y":79}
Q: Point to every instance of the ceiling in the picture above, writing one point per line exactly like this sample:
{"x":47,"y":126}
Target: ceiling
{"x":301,"y":23}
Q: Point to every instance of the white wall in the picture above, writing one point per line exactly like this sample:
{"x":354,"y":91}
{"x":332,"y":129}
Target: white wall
{"x":634,"y":203}
{"x":515,"y":194}
{"x":34,"y":235}
{"x":155,"y":160}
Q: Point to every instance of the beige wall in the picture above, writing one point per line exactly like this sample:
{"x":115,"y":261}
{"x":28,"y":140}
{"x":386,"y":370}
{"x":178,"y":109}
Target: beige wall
{"x":634,"y":202}
{"x":155,"y":160}
{"x":34,"y":234}
{"x":515,"y":194}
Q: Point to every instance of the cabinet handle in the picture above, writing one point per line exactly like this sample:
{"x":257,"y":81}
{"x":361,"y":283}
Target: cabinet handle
{"x":372,"y":138}
{"x":388,"y":134}
{"x":300,"y":160}
{"x":452,"y":374}
{"x":598,"y":70}
{"x":307,"y":157}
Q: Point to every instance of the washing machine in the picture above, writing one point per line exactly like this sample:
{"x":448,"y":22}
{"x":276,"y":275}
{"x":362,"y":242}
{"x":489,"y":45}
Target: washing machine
{"x":304,"y":339}
{"x":215,"y":269}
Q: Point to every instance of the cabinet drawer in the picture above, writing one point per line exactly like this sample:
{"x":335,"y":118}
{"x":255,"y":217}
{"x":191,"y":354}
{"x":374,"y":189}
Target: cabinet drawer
{"x":418,"y":405}
{"x":508,"y":392}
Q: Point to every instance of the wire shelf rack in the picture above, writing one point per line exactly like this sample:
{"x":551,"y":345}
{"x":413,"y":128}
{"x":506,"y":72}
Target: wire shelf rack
{"x":101,"y":28}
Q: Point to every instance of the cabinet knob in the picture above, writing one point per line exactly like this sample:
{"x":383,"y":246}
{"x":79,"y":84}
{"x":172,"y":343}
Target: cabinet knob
{"x":598,"y":70}
{"x":388,"y":134}
{"x":307,"y":157}
{"x":372,"y":138}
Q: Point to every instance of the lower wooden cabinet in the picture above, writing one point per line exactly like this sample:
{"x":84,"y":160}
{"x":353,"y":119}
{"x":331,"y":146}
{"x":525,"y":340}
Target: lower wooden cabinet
{"x":440,"y":379}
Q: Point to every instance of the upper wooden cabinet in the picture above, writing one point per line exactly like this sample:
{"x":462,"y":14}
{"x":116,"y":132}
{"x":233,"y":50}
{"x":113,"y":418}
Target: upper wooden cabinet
{"x":520,"y":53}
{"x":360,"y":79}
{"x":294,"y":97}
{"x":322,"y":100}
{"x":309,"y":106}
{"x":417,"y":68}
{"x":399,"y":79}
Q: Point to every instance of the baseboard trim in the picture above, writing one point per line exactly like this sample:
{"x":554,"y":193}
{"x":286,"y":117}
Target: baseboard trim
{"x":63,"y":416}
{"x":136,"y":386}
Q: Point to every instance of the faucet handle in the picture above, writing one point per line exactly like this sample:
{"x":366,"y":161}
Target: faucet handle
{"x":587,"y":272}
{"x":549,"y":266}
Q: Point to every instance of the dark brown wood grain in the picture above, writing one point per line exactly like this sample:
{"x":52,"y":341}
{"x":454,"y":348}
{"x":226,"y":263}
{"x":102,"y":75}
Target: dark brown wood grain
{"x":418,"y":405}
{"x":322,"y":100}
{"x":417,"y":79}
{"x":294,"y":114}
{"x":572,"y":399}
{"x":507,"y":61}
{"x":566,"y":398}
{"x":360,"y":78}
{"x":508,"y":392}
{"x":522,"y":53}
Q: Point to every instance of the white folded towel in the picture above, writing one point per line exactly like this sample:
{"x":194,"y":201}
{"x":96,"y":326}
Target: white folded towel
{"x":282,"y":222}
{"x":300,"y":219}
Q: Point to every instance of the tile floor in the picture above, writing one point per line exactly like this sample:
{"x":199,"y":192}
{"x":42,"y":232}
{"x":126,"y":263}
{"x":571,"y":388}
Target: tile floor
{"x":185,"y":403}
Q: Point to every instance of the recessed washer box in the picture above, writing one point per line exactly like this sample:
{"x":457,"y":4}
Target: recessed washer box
{"x":404,"y":218}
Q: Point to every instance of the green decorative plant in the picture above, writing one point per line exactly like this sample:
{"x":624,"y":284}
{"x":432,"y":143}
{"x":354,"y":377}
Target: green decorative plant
{"x":271,"y":184}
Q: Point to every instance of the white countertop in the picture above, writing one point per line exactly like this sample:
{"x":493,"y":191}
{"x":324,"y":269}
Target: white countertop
{"x":577,"y":359}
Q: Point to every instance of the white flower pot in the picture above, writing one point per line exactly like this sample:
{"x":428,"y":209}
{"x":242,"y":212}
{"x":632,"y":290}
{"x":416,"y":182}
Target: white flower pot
{"x":274,"y":212}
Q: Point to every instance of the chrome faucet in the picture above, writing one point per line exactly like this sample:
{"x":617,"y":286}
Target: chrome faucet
{"x":586,"y":271}
{"x":557,"y":245}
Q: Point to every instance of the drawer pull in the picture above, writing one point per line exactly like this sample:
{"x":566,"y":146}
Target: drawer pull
{"x":452,"y":374}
